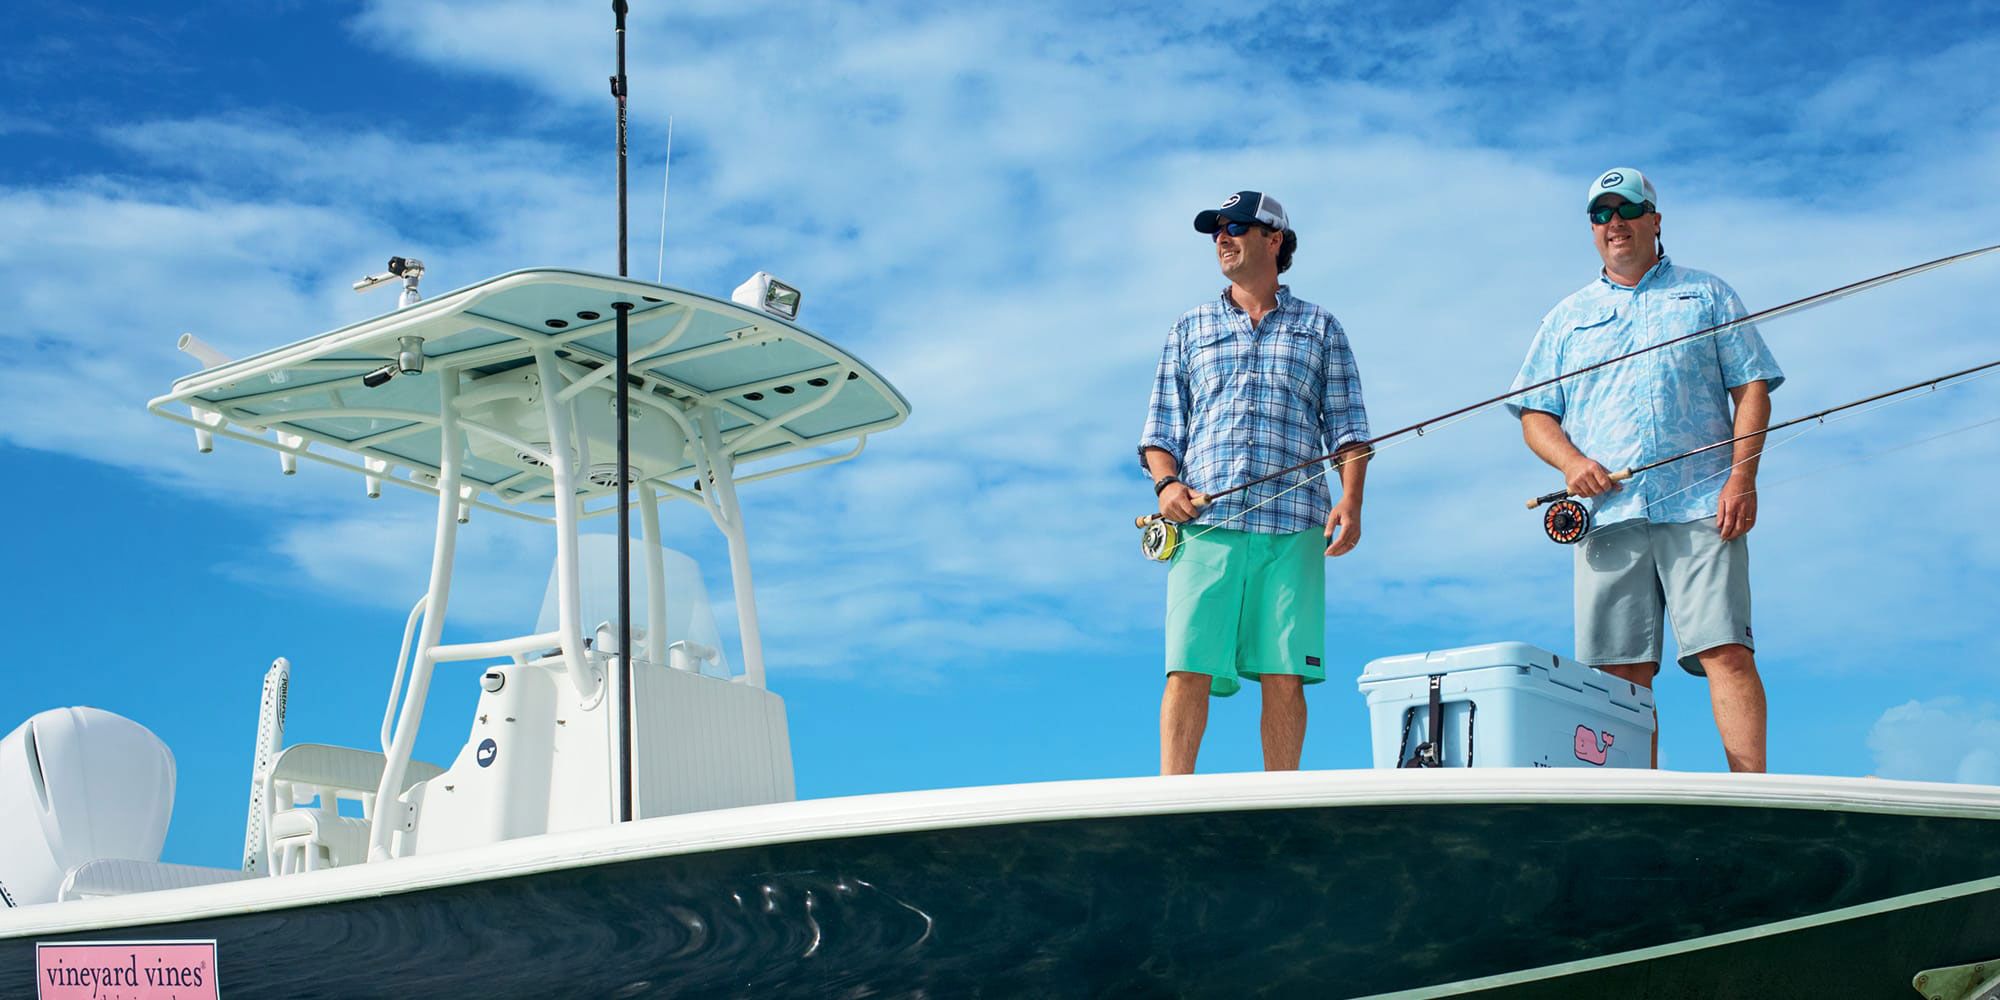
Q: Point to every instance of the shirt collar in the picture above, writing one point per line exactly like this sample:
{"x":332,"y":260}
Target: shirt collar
{"x":1658,"y":270}
{"x":1284,"y":299}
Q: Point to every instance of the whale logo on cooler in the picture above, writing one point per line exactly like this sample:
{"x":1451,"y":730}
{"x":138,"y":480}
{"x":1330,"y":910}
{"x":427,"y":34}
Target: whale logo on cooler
{"x":1588,"y":749}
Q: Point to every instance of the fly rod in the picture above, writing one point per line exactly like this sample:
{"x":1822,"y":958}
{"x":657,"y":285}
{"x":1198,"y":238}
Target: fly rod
{"x":1574,"y":520}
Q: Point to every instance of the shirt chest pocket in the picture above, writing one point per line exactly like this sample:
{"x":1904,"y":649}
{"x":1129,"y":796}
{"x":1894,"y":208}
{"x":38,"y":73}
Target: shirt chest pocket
{"x":1593,"y":337}
{"x":1211,"y":362}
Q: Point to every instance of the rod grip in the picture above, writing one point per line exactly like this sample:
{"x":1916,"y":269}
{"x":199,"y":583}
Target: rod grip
{"x":1563,"y":494}
{"x":1548,"y":498}
{"x":1199,"y":500}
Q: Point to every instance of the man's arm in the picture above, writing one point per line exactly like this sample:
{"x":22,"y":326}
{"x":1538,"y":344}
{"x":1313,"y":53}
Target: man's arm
{"x":1176,"y":501}
{"x":1343,"y":526}
{"x":1583,"y":475}
{"x":1736,"y":512}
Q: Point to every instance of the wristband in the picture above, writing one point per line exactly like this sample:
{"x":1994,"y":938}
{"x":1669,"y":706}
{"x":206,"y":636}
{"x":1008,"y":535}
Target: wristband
{"x":1160,"y":485}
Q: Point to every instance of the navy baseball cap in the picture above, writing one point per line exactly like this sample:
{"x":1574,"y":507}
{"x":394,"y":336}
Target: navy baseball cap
{"x":1243,"y":206}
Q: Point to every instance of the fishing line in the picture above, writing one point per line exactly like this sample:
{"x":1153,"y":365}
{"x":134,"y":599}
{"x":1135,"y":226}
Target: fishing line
{"x":1567,"y":520}
{"x":1886,"y":451}
{"x":1160,"y":537}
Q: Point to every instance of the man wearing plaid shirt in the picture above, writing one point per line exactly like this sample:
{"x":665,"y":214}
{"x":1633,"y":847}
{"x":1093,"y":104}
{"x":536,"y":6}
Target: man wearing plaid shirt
{"x":1249,"y":383}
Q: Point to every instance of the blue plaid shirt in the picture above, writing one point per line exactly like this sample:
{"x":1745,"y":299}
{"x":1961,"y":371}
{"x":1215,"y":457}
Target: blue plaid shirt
{"x":1232,"y":402}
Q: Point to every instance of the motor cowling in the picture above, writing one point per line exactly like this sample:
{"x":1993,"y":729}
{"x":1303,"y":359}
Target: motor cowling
{"x":77,"y":784}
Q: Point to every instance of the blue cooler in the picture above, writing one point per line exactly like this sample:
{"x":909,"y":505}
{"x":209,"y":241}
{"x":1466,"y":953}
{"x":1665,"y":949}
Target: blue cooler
{"x":1504,"y":704}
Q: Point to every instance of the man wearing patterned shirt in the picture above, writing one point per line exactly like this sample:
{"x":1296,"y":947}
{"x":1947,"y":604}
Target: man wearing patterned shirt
{"x":1249,"y":383}
{"x":1670,"y":541}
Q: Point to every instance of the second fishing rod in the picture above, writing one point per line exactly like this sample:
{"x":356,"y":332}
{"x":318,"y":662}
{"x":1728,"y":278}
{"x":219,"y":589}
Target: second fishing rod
{"x":1567,"y":521}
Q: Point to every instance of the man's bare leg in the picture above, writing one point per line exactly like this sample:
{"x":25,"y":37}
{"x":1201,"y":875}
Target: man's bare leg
{"x":1284,"y":721}
{"x":1737,"y":694}
{"x":1183,"y":718}
{"x":1642,"y":675}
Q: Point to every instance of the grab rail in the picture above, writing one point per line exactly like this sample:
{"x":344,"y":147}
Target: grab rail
{"x":402,"y":659}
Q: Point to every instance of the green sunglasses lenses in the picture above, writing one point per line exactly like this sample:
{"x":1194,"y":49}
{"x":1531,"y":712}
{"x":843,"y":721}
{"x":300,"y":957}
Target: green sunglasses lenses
{"x":1626,"y":210}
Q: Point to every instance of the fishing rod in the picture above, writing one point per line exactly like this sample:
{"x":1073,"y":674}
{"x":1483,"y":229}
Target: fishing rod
{"x":1161,"y":536}
{"x":1567,"y":520}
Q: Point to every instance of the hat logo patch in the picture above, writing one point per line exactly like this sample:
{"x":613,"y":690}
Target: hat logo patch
{"x":1611,"y":178}
{"x":1233,"y":199}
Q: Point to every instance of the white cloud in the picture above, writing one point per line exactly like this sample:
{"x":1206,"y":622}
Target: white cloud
{"x":1942,"y":739}
{"x":384,"y":561}
{"x":992,"y":207}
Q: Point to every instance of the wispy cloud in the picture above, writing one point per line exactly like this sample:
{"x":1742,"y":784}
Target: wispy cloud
{"x":992,"y":205}
{"x":1943,"y":739}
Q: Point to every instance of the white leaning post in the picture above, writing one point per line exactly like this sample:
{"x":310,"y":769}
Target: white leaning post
{"x":728,"y":516}
{"x":270,"y":739}
{"x":390,"y":811}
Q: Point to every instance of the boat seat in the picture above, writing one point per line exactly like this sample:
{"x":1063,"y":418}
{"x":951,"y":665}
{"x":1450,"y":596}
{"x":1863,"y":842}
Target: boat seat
{"x":123,"y":877}
{"x":310,"y":837}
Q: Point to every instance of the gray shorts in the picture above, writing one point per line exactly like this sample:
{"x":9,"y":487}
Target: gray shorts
{"x":1628,"y":573}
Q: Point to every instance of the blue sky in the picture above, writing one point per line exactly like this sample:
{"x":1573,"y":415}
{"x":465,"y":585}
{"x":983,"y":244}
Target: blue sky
{"x":990,"y":206}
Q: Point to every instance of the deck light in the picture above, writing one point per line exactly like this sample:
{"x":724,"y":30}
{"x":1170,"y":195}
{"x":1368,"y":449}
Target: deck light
{"x":376,"y":467}
{"x":409,"y":361}
{"x":769,"y":294}
{"x":410,"y":355}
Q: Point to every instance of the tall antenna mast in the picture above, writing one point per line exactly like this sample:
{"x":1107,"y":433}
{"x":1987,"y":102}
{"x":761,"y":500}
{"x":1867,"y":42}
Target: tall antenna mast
{"x":624,"y":397}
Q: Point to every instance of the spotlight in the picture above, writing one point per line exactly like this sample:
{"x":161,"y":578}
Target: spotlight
{"x":769,"y":294}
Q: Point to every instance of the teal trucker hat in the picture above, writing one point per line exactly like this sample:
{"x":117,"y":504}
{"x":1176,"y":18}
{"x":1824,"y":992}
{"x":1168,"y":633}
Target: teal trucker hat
{"x":1625,"y":182}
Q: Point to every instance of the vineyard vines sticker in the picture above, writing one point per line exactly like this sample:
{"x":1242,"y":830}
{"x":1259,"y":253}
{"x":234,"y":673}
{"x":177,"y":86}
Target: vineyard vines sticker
{"x":126,"y":970}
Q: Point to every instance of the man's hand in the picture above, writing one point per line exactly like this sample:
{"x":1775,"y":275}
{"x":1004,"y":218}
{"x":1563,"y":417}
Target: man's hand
{"x":1181,"y":504}
{"x":1736,"y":512}
{"x":1586,"y":478}
{"x":1343,"y":527}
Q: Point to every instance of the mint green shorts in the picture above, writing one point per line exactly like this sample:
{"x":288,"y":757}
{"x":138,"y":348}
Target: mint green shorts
{"x":1245,"y":604}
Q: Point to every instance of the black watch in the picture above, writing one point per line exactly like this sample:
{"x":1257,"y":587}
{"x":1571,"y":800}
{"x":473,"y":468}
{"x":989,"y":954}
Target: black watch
{"x":1160,"y":485}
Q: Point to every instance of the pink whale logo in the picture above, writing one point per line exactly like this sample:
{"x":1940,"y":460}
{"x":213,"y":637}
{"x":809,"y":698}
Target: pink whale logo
{"x":1587,"y":748}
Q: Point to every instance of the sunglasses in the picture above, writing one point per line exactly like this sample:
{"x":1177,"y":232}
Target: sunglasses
{"x":1601,"y":214}
{"x":1236,"y":229}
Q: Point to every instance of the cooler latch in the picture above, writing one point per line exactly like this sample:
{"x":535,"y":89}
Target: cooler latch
{"x":1429,"y":753}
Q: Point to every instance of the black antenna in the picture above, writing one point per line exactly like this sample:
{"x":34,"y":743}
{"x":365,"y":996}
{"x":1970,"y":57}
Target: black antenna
{"x":624,"y":396}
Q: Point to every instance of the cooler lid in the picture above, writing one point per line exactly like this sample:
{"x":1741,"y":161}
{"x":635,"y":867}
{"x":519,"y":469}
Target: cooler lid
{"x":1444,"y":661}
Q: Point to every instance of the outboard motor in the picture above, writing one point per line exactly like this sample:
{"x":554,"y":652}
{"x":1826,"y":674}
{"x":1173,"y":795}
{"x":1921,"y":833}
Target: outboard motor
{"x":78,"y":784}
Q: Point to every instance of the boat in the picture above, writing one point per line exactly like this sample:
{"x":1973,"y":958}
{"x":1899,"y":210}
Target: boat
{"x":627,"y":826}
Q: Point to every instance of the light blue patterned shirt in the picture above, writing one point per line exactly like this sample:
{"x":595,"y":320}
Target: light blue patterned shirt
{"x":1232,"y":402}
{"x":1656,"y":405}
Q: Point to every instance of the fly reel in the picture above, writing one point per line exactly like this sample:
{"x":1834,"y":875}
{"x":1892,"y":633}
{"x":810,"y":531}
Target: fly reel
{"x":1159,"y":538}
{"x":1566,"y":521}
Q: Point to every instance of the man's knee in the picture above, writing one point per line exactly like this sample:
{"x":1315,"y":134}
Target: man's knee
{"x":1638,"y":673}
{"x":1732,"y":660}
{"x":1282,"y":686}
